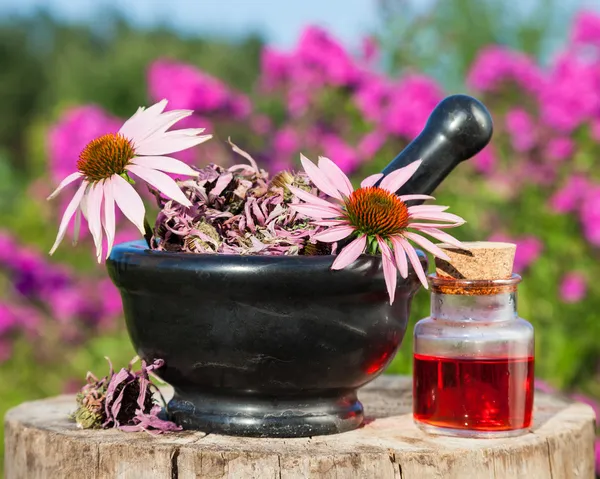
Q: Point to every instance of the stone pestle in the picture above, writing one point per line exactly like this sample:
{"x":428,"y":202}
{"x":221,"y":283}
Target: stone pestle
{"x":458,"y":128}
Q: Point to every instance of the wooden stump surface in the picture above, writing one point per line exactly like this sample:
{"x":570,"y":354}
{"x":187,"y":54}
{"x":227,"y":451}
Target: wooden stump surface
{"x":41,"y":443}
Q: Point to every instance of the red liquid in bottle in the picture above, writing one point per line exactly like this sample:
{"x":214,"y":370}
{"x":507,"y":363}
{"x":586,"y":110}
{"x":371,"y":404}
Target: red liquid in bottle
{"x":476,"y":394}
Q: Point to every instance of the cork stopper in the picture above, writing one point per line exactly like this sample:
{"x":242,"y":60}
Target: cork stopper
{"x":479,"y":260}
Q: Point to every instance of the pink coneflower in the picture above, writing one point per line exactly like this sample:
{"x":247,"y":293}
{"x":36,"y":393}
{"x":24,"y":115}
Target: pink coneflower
{"x":105,"y":164}
{"x":378,"y":220}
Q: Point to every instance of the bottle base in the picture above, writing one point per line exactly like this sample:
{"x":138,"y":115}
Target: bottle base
{"x":469,"y":433}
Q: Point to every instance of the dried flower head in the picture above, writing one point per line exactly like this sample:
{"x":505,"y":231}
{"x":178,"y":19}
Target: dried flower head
{"x":236,"y":211}
{"x":123,"y":400}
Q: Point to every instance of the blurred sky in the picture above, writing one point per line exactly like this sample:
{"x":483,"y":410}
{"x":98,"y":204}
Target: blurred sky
{"x":279,"y":21}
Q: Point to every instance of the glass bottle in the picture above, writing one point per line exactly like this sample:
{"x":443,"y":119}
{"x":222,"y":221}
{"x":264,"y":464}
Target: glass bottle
{"x":473,"y":360}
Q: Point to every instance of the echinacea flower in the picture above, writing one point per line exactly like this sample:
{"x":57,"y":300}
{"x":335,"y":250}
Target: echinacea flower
{"x":105,"y":164}
{"x":377,"y":219}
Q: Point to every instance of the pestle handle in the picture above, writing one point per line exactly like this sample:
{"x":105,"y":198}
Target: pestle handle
{"x":458,"y":128}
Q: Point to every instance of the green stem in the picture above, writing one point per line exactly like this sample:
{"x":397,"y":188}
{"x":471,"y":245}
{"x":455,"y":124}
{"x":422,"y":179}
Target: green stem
{"x":148,"y":232}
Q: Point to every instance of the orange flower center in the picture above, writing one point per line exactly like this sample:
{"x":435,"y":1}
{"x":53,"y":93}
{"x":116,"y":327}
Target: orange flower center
{"x":375,"y":211}
{"x":105,"y":156}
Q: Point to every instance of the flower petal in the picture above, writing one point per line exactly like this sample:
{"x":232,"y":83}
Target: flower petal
{"x":156,"y":146}
{"x":129,"y":202}
{"x":426,"y":209}
{"x":415,"y":197}
{"x":68,"y":214}
{"x":164,"y":163}
{"x":161,"y":124}
{"x":396,"y":179}
{"x":77,"y":225}
{"x":414,"y":260}
{"x":428,"y":245}
{"x":312,"y":199}
{"x":163,"y":183}
{"x":94,"y":208}
{"x":418,"y":225}
{"x":320,"y":180}
{"x":142,"y":119}
{"x":371,"y":180}
{"x":336,"y":176}
{"x":435,"y":216}
{"x":400,"y":256}
{"x":350,"y":253}
{"x":67,"y":181}
{"x":389,"y":269}
{"x":441,"y":236}
{"x":316,"y":212}
{"x":334,"y":234}
{"x":108,"y":220}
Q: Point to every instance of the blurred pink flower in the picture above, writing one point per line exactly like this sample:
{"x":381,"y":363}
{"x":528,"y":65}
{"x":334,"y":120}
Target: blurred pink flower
{"x":345,"y":156}
{"x":186,"y":87}
{"x":573,"y":288}
{"x":110,"y":297}
{"x":286,"y":141}
{"x":371,"y":96}
{"x":497,"y":65}
{"x":260,"y":124}
{"x":572,"y":94}
{"x":560,"y":148}
{"x":485,"y":160}
{"x":410,"y":104}
{"x":317,"y":50}
{"x":370,"y":144}
{"x":370,"y":49}
{"x":298,"y":100}
{"x":521,"y":128}
{"x":590,"y":215}
{"x":275,"y":68}
{"x":586,"y":28}
{"x":529,"y":248}
{"x":74,"y":130}
{"x":569,"y":197}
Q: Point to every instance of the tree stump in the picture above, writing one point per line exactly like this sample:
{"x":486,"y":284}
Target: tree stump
{"x":42,"y":443}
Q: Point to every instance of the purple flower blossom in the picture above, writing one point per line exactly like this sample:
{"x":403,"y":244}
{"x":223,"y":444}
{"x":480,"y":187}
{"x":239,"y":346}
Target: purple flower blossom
{"x":318,"y":52}
{"x":521,"y":128}
{"x":590,"y":215}
{"x":528,"y":251}
{"x":586,"y":29}
{"x":370,"y":144}
{"x":371,"y":96}
{"x":569,"y":197}
{"x":496,"y":66}
{"x":560,"y":148}
{"x":286,"y":141}
{"x":189,"y":88}
{"x":573,"y":288}
{"x":345,"y":156}
{"x":74,"y":130}
{"x":485,"y":161}
{"x":410,"y":104}
{"x":572,"y":94}
{"x":275,"y":68}
{"x":370,"y":49}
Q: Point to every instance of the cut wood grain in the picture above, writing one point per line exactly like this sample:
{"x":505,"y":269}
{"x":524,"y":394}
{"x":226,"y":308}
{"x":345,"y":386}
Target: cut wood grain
{"x":41,"y":443}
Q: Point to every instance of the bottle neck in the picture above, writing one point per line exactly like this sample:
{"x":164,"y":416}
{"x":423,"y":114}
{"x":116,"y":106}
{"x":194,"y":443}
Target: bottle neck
{"x":474,"y":300}
{"x":484,"y":308}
